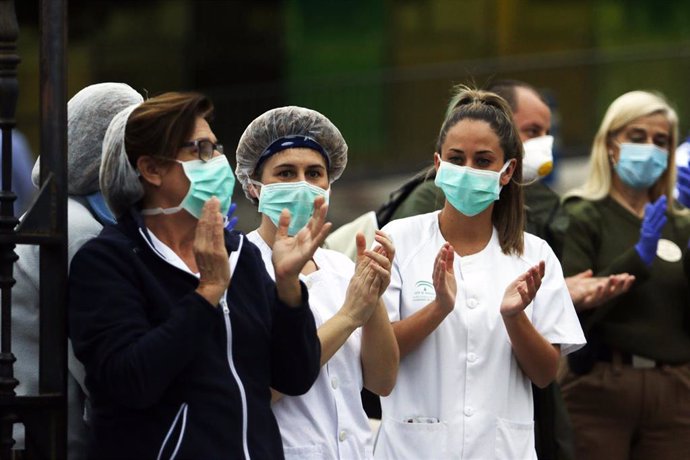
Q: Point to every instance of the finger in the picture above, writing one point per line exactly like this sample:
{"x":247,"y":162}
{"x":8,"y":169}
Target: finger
{"x":380,"y":259}
{"x":384,"y":240}
{"x":585,"y":274}
{"x":319,"y":215}
{"x":530,"y":284}
{"x":361,"y":243}
{"x":542,"y":269}
{"x":449,"y":259}
{"x":283,"y":224}
{"x":321,"y":236}
{"x":524,"y":294}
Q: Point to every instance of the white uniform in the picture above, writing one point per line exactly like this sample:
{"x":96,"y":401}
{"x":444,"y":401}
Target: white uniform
{"x":461,"y":393}
{"x":328,"y":422}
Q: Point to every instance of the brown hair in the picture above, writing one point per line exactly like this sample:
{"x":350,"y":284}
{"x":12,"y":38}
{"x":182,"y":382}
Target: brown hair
{"x":508,"y":214}
{"x":160,"y":125}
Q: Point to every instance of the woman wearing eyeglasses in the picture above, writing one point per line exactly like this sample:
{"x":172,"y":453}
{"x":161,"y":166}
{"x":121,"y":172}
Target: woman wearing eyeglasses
{"x":286,"y":159}
{"x":479,"y":307}
{"x":180,"y":329}
{"x":628,"y":390}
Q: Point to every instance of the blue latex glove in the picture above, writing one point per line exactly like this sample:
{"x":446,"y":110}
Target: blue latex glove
{"x":652,"y":224}
{"x":683,"y":185}
{"x":230,"y":221}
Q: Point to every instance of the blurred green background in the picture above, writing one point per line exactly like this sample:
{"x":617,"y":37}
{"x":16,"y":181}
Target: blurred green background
{"x":381,"y":70}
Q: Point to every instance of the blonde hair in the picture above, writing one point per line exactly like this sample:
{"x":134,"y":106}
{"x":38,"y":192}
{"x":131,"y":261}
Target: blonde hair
{"x":508,"y":215}
{"x":622,"y":111}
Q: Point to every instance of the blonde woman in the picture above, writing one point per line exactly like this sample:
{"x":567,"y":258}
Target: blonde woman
{"x":628,"y":392}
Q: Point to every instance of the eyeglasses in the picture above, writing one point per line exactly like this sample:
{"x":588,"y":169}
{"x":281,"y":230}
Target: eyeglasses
{"x":204,"y":148}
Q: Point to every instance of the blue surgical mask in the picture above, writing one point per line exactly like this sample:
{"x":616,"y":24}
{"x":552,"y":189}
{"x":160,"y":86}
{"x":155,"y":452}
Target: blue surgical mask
{"x":296,"y":197}
{"x":206,"y":180}
{"x":469,"y":190}
{"x":640,"y":165}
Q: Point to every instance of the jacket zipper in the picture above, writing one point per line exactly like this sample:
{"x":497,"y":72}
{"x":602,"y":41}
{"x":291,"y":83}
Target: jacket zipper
{"x":243,"y":396}
{"x":232,"y":261}
{"x":182,"y":411}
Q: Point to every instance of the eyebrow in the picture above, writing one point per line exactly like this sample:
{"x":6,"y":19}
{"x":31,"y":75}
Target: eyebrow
{"x":292,"y":165}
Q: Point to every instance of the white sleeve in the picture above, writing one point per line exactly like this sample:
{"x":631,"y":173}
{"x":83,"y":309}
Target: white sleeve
{"x":553,"y":314}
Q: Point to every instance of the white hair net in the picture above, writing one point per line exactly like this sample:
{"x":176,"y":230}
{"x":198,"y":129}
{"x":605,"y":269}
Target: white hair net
{"x":88,"y":115}
{"x":283,"y":122}
{"x":120,"y":183}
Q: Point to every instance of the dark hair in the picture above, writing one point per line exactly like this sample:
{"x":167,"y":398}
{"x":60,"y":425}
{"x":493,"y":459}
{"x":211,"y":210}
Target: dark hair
{"x":506,"y":89}
{"x":508,"y":213}
{"x":160,"y":125}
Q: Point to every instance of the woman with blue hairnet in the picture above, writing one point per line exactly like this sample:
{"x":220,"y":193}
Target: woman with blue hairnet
{"x":628,"y":390}
{"x":288,"y":158}
{"x":89,"y":113}
{"x":181,"y":331}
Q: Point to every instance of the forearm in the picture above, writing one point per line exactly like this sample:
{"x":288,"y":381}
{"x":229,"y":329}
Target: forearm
{"x":411,"y":331}
{"x":380,"y":354}
{"x":333,"y":334}
{"x":537,"y":358}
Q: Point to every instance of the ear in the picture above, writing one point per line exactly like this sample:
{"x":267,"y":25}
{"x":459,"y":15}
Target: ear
{"x":251,"y":188}
{"x":508,"y":173}
{"x":437,"y":160}
{"x":150,"y":170}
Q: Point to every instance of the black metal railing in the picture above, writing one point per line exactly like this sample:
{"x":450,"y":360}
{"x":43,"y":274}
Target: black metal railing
{"x":45,"y":223}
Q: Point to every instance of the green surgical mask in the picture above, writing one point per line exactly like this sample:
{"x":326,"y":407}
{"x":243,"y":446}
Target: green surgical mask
{"x":296,"y":197}
{"x":206,"y":179}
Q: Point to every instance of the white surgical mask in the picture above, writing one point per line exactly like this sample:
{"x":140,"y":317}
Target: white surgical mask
{"x":538,"y":160}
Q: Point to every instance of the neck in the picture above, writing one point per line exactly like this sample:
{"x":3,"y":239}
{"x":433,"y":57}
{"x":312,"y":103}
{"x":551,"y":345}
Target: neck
{"x":468,"y":235}
{"x":630,"y":198}
{"x":267,"y":230}
{"x":177,"y":231}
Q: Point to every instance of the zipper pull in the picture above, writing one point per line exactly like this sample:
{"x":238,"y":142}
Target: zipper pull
{"x":224,"y":304}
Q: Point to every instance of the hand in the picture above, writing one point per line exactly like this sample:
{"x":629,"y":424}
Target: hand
{"x":652,"y":224}
{"x":290,"y":254}
{"x":231,"y":221}
{"x":522,"y":291}
{"x":210,"y":253}
{"x":587,"y":291}
{"x":444,"y":278}
{"x":683,"y":185}
{"x":363,"y":291}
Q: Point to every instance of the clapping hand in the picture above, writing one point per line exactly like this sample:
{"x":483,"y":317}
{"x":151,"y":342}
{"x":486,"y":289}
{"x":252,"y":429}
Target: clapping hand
{"x":210,"y":254}
{"x":444,"y":278}
{"x":587,"y":291}
{"x":290,"y":254}
{"x":522,"y":291}
{"x":650,"y":233}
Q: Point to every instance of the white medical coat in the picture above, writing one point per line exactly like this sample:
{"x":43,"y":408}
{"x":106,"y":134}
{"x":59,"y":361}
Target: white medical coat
{"x":461,"y":394}
{"x":328,"y":422}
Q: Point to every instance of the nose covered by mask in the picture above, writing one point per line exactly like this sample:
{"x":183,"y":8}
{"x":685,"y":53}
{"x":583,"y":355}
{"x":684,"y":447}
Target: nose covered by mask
{"x":469,"y":190}
{"x":538,"y":160}
{"x":640,"y":165}
{"x":296,"y":197}
{"x":206,"y":179}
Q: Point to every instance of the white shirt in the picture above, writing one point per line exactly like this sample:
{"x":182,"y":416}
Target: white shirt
{"x":461,"y":393}
{"x":328,"y":422}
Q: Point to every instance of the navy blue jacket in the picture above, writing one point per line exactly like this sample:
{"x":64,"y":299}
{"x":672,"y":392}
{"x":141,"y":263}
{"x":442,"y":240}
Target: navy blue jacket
{"x":156,"y":353}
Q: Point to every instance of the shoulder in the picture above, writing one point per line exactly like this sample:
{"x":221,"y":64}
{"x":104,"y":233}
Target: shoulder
{"x":536,"y":247}
{"x":411,"y":235}
{"x":82,"y":224}
{"x":409,"y":227}
{"x":580,"y":207}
